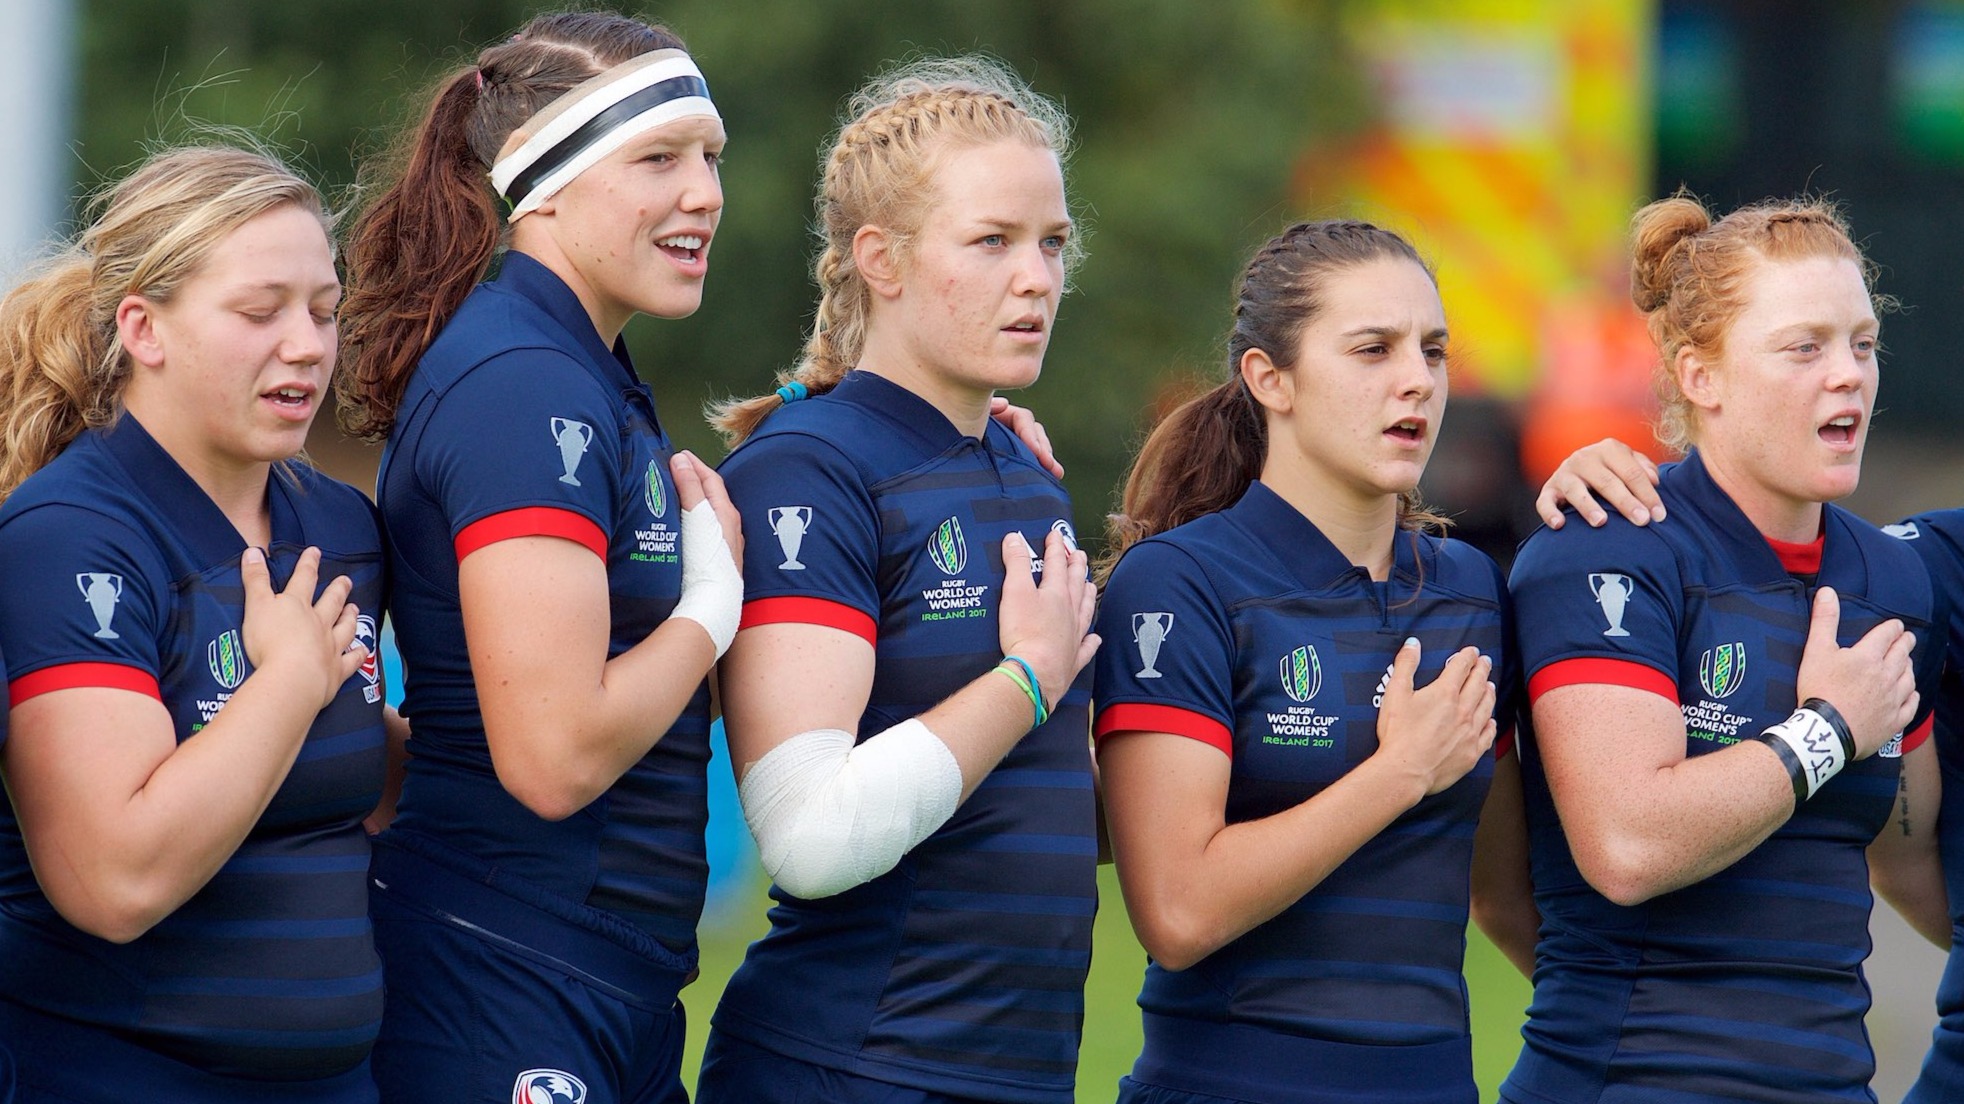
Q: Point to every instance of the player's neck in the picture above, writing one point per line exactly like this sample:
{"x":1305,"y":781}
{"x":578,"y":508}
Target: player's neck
{"x":1362,"y":527}
{"x":1777,"y":516}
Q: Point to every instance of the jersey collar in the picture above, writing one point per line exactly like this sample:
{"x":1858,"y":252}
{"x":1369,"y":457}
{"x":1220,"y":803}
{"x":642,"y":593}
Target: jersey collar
{"x":523,"y":276}
{"x":1300,"y":547}
{"x":910,"y":411}
{"x":189,"y":512}
{"x":1738,"y":542}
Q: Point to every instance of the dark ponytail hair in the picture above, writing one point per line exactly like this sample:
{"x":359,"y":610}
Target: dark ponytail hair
{"x":429,"y":234}
{"x":1201,"y":458}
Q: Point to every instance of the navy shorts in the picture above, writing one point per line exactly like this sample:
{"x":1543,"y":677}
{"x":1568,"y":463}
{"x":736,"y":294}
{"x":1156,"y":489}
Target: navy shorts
{"x":494,"y":999}
{"x":59,"y":1061}
{"x":737,"y":1072}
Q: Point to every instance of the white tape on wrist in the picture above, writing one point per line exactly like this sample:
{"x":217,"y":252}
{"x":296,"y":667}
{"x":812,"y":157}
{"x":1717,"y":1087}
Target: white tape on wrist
{"x":712,"y":587}
{"x":1817,"y":750}
{"x":829,"y":816}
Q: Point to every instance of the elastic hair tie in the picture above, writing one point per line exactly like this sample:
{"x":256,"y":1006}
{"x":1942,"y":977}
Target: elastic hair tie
{"x":793,"y":391}
{"x":480,"y":80}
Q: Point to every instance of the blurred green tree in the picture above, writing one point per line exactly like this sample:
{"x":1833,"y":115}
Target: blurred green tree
{"x":1195,"y":123}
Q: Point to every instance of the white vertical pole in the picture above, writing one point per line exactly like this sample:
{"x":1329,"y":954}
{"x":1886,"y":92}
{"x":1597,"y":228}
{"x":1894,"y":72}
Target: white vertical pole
{"x":37,"y":63}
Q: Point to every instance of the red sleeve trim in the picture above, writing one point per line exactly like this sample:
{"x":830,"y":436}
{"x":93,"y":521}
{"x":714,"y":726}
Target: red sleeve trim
{"x":1502,"y":744}
{"x":1141,"y":717}
{"x":1914,"y":739}
{"x":809,"y":611}
{"x":71,"y":676}
{"x":532,"y":521}
{"x":1606,"y":672}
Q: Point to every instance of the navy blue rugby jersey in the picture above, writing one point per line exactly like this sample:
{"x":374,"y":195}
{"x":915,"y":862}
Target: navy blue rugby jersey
{"x":961,"y":970}
{"x":1249,"y":631}
{"x":122,"y":573}
{"x":520,"y":422}
{"x":1938,"y":540}
{"x":1747,"y":985}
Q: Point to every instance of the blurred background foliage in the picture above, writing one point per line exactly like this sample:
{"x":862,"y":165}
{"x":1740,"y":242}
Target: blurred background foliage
{"x":1194,"y":120}
{"x":1509,"y":137}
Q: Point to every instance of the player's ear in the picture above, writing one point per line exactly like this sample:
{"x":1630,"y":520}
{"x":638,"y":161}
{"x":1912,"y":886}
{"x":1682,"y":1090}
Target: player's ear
{"x":136,"y":328}
{"x":1271,"y":386}
{"x":1696,"y":378}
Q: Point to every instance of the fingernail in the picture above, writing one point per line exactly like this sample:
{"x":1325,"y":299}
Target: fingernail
{"x":254,"y":555}
{"x":1657,"y":513}
{"x":1411,"y":642}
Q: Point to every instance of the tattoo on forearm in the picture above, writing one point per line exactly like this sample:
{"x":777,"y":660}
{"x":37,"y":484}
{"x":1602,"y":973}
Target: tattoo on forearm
{"x":1902,"y":804}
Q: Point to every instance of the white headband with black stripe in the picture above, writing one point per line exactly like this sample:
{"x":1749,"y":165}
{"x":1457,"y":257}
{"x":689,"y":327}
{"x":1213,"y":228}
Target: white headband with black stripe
{"x":592,"y":120}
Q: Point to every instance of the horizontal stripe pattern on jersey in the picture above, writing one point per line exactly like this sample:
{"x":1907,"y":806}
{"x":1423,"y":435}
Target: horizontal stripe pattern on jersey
{"x":962,"y":970}
{"x":118,"y":565}
{"x":1747,"y":985}
{"x":519,"y":422}
{"x":1249,"y":625}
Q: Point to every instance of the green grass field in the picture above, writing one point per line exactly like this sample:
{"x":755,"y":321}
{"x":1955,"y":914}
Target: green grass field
{"x":1111,"y":1019}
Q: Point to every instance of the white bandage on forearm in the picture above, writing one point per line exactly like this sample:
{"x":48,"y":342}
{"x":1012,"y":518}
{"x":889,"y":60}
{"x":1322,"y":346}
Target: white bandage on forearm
{"x":712,"y":587}
{"x":829,"y":816}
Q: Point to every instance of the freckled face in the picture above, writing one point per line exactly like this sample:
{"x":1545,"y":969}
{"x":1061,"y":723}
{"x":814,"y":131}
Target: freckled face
{"x":1369,"y":382}
{"x":983,"y":277}
{"x":1786,"y":405}
{"x":631,"y":234}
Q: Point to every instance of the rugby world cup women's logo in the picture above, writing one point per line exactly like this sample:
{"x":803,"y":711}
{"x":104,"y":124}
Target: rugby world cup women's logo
{"x":226,"y":658}
{"x":1302,"y":674}
{"x":947,"y":547}
{"x":656,"y":496}
{"x":1722,"y":669}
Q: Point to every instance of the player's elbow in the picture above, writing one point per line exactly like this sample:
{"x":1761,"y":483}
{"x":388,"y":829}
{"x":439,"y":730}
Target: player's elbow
{"x":1176,"y":937}
{"x":118,"y":910}
{"x":817,"y":859}
{"x":550,"y":791}
{"x":812,"y":881}
{"x":1622,"y":870}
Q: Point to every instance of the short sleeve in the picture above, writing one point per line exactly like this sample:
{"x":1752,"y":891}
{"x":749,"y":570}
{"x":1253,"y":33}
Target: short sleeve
{"x":811,"y":535}
{"x":85,"y":604}
{"x":1167,"y":662}
{"x":526,"y":444}
{"x":1597,"y":606}
{"x":1938,"y":541}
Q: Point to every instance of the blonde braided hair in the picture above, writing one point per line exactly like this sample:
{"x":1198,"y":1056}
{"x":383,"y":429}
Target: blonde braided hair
{"x":880,"y":172}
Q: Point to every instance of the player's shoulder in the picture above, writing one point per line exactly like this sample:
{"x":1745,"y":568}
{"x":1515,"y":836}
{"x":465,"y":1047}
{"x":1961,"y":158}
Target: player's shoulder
{"x":837,"y":439}
{"x":1458,"y":567}
{"x":1179,"y":558}
{"x":341,"y":508}
{"x":1617,"y":542}
{"x":1897,"y":571}
{"x":81,"y":487}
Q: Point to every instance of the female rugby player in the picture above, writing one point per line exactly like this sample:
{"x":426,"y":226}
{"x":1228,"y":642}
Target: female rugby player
{"x":1707,"y":763}
{"x":1295,"y":717}
{"x":563,"y":579}
{"x":910,"y":749}
{"x":183,"y":903}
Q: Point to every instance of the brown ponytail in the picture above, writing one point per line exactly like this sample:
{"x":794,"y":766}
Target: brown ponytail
{"x":880,"y":172}
{"x":428,"y":236}
{"x":1203,"y":456}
